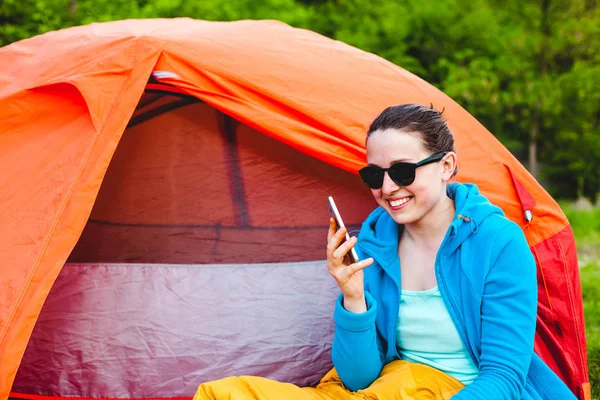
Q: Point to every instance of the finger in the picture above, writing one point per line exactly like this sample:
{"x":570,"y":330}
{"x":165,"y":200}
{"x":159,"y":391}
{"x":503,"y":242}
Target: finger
{"x":354,"y":268}
{"x":333,"y":261}
{"x":335,"y":241}
{"x":345,"y":247}
{"x":331,"y":231}
{"x":339,"y":236}
{"x":345,"y":274}
{"x":332,"y":244}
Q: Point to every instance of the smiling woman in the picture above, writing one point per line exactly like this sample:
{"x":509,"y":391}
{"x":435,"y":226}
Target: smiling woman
{"x":443,"y":256}
{"x":439,"y":255}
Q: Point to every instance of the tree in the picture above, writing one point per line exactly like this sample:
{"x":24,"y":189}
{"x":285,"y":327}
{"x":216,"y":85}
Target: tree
{"x":529,"y":70}
{"x":20,"y":19}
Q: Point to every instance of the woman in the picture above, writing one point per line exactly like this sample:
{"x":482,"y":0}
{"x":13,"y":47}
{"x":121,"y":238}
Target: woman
{"x":452,"y":283}
{"x":447,"y":306}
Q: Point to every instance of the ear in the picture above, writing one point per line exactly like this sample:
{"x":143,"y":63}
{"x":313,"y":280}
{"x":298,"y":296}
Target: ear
{"x":449,"y":164}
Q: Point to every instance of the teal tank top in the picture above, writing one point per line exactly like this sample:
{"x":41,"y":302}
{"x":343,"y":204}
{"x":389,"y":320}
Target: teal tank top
{"x":427,"y":335}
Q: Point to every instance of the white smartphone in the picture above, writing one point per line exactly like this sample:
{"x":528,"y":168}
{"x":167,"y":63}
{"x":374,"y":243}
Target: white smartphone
{"x":351,"y":257}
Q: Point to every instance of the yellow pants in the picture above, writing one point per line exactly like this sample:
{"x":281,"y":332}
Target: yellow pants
{"x":399,"y":380}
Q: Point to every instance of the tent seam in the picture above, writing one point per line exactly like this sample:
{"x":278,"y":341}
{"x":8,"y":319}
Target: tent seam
{"x":290,"y":264}
{"x":554,"y":233}
{"x":111,"y":107}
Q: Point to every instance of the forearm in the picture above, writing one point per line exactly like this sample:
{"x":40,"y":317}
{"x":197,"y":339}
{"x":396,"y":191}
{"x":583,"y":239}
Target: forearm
{"x":500,"y":386}
{"x":355,"y":352}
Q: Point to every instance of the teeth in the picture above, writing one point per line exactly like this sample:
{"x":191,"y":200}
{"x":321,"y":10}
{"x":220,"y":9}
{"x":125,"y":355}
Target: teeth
{"x":397,"y":203}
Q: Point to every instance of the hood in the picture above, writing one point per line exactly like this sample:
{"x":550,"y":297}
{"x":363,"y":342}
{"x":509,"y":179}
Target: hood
{"x":378,"y":236}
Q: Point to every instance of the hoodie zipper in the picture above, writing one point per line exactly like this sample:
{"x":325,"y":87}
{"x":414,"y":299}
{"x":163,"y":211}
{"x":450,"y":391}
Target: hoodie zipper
{"x":458,"y":323}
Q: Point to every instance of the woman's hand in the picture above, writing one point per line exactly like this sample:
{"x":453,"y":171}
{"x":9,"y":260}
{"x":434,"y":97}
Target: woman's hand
{"x":350,"y":278}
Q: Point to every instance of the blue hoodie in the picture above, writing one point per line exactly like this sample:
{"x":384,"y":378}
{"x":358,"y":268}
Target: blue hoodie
{"x":487,"y":278}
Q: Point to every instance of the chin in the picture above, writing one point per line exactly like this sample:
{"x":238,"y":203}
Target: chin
{"x":402,"y":218}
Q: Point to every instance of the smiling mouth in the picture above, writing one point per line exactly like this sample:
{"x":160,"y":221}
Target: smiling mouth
{"x":399,"y":202}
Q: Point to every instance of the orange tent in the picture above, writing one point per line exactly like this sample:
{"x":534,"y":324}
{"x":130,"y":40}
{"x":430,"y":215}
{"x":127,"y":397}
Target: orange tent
{"x":90,"y":114}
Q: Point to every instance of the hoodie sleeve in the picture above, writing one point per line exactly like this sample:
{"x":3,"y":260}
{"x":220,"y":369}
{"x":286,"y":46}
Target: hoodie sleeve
{"x":508,"y":318}
{"x":356,"y":353}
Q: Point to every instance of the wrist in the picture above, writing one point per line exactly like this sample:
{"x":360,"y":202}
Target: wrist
{"x":356,"y":305}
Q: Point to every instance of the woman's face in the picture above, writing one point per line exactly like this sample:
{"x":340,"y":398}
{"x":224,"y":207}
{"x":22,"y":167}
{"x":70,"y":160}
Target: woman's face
{"x":407,"y":204}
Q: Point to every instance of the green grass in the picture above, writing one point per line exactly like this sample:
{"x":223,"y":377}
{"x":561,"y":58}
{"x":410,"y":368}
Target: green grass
{"x":590,"y":286}
{"x":586,"y":227}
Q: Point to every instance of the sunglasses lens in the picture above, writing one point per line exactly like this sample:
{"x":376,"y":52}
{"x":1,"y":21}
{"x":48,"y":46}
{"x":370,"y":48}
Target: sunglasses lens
{"x":372,"y":176}
{"x":402,"y":173}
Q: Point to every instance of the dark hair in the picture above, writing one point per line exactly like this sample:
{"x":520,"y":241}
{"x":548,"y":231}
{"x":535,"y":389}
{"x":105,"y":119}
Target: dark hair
{"x":426,"y":122}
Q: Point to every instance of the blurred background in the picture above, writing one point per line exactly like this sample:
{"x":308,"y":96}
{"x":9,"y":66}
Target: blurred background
{"x":529,"y":70}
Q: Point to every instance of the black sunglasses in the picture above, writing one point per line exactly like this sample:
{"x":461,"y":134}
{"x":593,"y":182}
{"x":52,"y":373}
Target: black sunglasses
{"x":403,"y":173}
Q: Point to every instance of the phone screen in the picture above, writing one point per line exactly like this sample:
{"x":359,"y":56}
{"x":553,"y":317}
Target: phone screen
{"x":350,"y":257}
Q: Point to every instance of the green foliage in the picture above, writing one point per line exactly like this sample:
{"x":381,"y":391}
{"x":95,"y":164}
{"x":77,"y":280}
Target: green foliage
{"x":288,"y":11}
{"x":529,"y":70}
{"x":590,"y":287}
{"x":20,"y":19}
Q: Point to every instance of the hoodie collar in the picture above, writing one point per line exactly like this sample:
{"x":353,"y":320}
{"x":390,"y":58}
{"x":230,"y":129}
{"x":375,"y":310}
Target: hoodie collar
{"x":378,"y":237}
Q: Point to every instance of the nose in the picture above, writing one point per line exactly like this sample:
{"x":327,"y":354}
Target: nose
{"x":389,"y":186}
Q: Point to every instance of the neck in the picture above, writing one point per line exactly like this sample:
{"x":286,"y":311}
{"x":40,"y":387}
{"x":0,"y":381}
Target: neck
{"x":429,"y":231}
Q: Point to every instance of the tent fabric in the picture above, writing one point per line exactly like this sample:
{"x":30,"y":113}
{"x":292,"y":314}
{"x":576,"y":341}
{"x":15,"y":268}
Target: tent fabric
{"x":557,"y":267}
{"x":266,"y":197}
{"x":275,"y":318}
{"x":66,"y":98}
